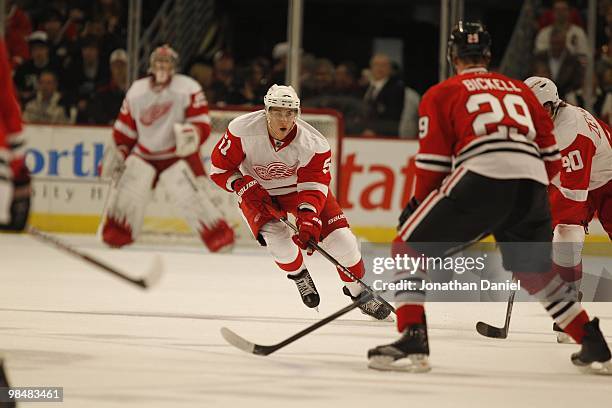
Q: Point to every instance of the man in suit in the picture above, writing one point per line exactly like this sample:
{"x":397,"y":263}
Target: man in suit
{"x":383,"y":100}
{"x":565,"y":68}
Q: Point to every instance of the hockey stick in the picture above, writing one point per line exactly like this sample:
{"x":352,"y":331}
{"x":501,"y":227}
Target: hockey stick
{"x":497,"y":332}
{"x":262,"y":350}
{"x":338,"y":265}
{"x":150,"y":279}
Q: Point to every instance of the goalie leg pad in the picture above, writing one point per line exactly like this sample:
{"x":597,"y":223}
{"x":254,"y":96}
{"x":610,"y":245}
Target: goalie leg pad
{"x":127,"y":205}
{"x":195,"y":205}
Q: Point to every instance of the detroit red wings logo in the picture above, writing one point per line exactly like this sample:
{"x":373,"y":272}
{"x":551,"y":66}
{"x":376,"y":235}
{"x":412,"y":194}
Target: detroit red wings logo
{"x":154,"y":112}
{"x":275,"y":170}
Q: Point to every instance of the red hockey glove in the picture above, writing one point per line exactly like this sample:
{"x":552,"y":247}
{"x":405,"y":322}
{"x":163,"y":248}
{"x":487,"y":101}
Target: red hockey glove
{"x":407,"y":211}
{"x":255,"y":202}
{"x":309,"y":228}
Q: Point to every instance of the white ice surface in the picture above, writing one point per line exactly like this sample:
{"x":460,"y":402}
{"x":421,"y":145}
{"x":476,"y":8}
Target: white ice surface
{"x":64,"y":323}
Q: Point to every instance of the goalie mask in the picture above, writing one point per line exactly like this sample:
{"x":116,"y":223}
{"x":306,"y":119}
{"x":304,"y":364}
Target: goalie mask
{"x":162,"y":64}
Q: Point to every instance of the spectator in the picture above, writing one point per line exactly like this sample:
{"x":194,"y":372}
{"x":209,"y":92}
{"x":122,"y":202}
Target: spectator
{"x":606,"y":109}
{"x":540,"y":68}
{"x":255,"y":84}
{"x":409,"y":121}
{"x":383,"y":100}
{"x":577,"y":97}
{"x":345,"y":80}
{"x":111,"y":12}
{"x":576,"y":39}
{"x":26,"y":75}
{"x":18,"y":28}
{"x":224,"y":83}
{"x":60,"y":47}
{"x":279,"y":66}
{"x":48,"y":106}
{"x":204,"y":74}
{"x":104,"y":106}
{"x":322,"y":81}
{"x":565,"y":68}
{"x":96,"y":28}
{"x":547,"y":17}
{"x":85,"y":74}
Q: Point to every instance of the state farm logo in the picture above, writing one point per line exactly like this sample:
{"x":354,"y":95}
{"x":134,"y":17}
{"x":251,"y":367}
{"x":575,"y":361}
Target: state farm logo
{"x":275,"y":170}
{"x":154,"y":112}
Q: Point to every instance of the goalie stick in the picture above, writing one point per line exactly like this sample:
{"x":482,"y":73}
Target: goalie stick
{"x":148,"y":280}
{"x":497,"y":332}
{"x":262,"y":350}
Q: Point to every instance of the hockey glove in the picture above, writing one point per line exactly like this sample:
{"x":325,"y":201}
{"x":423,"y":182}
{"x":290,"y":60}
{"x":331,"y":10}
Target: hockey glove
{"x":20,"y":205}
{"x":309,"y":228}
{"x":407,"y":211}
{"x":113,"y":162}
{"x":253,"y":198}
{"x":187,"y":139}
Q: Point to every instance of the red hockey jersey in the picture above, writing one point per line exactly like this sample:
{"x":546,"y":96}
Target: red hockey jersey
{"x":12,"y":145}
{"x":299,"y":163}
{"x":487,"y":123}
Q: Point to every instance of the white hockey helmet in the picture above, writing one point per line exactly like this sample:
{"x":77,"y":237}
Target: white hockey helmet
{"x":163,"y":53}
{"x":544,"y":89}
{"x":281,"y":96}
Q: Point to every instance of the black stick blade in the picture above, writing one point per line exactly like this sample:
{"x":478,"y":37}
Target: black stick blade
{"x":491,"y":331}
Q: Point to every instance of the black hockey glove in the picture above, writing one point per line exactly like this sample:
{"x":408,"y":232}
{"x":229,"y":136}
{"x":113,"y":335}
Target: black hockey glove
{"x":407,"y":211}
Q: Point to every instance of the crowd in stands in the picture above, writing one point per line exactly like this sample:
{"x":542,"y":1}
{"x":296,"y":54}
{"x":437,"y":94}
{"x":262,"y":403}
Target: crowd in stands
{"x":70,"y":67}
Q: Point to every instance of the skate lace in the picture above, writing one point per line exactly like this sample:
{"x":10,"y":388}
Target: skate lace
{"x":305,"y":286}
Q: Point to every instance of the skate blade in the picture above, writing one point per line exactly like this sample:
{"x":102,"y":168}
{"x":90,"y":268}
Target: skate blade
{"x":386,"y":319}
{"x":564,"y":338}
{"x":597,"y":368}
{"x":416,"y":363}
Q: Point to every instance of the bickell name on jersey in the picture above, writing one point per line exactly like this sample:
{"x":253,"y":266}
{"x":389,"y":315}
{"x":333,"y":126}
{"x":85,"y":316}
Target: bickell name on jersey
{"x":498,"y":130}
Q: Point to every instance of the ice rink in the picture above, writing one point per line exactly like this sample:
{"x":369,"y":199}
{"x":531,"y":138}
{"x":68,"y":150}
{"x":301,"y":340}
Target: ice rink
{"x":65,"y":323}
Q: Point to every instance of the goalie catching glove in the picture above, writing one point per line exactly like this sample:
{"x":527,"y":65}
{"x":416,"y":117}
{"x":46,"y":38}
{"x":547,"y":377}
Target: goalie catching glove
{"x":187,"y":139}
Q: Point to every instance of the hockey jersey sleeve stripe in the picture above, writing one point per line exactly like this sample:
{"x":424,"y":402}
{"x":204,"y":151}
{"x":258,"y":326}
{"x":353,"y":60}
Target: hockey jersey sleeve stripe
{"x":203,"y":118}
{"x":555,"y":155}
{"x":313,"y":185}
{"x":446,"y":168}
{"x":121,"y":127}
{"x":549,"y":149}
{"x":574,"y":195}
{"x":437,"y":158}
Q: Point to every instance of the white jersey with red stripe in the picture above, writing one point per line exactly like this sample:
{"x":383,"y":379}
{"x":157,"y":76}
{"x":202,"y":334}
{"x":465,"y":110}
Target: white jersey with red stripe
{"x":586,"y":148}
{"x":300,"y":163}
{"x":148,"y":114}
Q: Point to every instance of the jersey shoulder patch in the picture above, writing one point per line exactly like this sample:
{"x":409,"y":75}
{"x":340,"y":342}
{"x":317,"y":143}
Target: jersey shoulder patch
{"x":251,"y":124}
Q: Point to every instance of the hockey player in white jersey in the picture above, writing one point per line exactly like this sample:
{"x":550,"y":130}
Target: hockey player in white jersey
{"x":277,"y":164}
{"x":157,"y":137}
{"x":584,"y":187}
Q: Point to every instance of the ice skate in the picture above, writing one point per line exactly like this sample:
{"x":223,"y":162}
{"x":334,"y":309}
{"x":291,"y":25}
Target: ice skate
{"x":410,"y":353}
{"x":374,"y":307}
{"x":594,"y":355}
{"x":307,"y":288}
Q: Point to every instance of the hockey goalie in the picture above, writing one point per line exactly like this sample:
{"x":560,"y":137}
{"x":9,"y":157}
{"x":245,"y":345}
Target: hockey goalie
{"x":15,"y":190}
{"x":157,"y":137}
